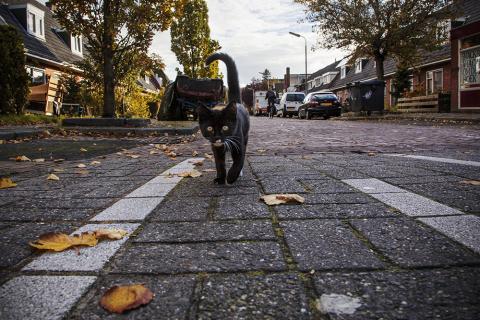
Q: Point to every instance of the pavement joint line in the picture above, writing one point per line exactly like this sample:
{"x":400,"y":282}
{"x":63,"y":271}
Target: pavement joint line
{"x":437,"y":159}
{"x":451,"y":222}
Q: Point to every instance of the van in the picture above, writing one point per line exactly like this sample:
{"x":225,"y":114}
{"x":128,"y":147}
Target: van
{"x":290,"y":103}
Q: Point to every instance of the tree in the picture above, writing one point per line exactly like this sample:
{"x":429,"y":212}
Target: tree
{"x":117,"y":33}
{"x":381,"y":28}
{"x":191,"y":41}
{"x":14,"y":79}
{"x":266,"y":75}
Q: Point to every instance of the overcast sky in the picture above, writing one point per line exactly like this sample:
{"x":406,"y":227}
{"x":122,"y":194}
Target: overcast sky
{"x":255,"y":34}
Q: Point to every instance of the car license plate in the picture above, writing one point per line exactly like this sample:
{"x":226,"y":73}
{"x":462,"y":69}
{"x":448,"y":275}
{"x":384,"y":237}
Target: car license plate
{"x":326,"y":104}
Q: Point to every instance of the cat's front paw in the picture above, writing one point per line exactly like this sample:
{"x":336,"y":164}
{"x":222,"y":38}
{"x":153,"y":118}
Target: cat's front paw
{"x":219,"y":181}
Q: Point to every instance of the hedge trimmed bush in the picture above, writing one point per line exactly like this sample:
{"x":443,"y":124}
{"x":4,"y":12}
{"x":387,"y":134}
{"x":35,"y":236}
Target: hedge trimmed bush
{"x":14,"y":78}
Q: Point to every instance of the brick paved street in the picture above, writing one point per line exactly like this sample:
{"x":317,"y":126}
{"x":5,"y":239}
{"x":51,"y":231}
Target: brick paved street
{"x":380,"y":236}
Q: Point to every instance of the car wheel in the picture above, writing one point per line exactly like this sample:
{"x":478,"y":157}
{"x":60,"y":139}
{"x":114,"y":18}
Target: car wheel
{"x":308,"y":115}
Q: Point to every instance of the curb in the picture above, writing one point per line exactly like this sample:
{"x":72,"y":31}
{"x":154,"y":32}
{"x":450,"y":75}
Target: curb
{"x":135,"y":131}
{"x":23,"y":133}
{"x":412,"y":118}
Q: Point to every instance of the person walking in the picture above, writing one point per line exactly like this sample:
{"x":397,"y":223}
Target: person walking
{"x":271,"y":96}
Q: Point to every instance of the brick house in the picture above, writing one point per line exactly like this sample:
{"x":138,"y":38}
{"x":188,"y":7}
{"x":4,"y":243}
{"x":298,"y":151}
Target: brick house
{"x":50,"y":51}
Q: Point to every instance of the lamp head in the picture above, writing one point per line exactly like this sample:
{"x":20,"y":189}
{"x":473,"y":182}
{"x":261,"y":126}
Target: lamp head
{"x":294,"y":34}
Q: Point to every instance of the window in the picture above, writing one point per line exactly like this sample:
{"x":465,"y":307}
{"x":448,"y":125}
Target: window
{"x":295,"y":97}
{"x":410,"y":79}
{"x":35,"y":22}
{"x":343,"y":72}
{"x":434,"y":81}
{"x":37,"y":76}
{"x":76,"y":44}
{"x":358,"y":66}
{"x":469,"y":55}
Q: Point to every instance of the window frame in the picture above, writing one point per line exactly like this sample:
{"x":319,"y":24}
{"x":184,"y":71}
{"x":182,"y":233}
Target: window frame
{"x":30,"y":70}
{"x":74,"y":40}
{"x":358,"y":66}
{"x":35,"y":22}
{"x":432,"y":78}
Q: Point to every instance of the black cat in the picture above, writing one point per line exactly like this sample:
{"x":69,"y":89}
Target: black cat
{"x":226,"y":126}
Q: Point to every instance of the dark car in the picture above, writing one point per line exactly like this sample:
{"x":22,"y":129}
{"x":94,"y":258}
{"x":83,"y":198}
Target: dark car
{"x":325,"y":104}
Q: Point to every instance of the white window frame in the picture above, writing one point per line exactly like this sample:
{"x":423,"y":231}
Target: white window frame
{"x":73,"y":43}
{"x":343,"y":72}
{"x":38,"y":28}
{"x":358,"y":66}
{"x":427,"y":78}
{"x":38,"y":69}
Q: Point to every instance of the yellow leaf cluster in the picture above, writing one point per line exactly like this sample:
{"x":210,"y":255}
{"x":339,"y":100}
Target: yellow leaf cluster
{"x":119,"y":299}
{"x":7,"y":183}
{"x":276,"y":199}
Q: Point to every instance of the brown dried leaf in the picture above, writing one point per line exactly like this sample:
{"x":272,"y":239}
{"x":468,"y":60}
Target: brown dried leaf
{"x":52,"y":176}
{"x":197,"y":163}
{"x":194,"y":153}
{"x":471,"y":182}
{"x":93,"y":163}
{"x":276,"y":199}
{"x":83,"y":150}
{"x":371,"y":154}
{"x":60,"y":241}
{"x":119,"y":299}
{"x":58,"y":160}
{"x":39,"y":160}
{"x":172,"y":154}
{"x":208,"y":156}
{"x":133,"y":156}
{"x":191,"y":173}
{"x":112,"y":234}
{"x":81,"y":165}
{"x":7,"y":183}
{"x":22,"y":158}
{"x":58,"y":170}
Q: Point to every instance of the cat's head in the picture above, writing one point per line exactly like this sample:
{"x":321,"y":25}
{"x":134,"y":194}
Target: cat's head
{"x":216,"y":124}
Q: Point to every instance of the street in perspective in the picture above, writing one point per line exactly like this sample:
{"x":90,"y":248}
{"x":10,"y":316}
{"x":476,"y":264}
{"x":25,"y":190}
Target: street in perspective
{"x":151,"y":167}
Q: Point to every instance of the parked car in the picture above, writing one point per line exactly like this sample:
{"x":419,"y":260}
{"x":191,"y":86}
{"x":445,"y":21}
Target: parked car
{"x":322,"y":103}
{"x":261,"y":103}
{"x":290,"y":103}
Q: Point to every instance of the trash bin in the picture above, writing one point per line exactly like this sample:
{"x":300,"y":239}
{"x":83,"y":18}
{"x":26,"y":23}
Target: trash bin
{"x":367,"y":96}
{"x":444,"y":102}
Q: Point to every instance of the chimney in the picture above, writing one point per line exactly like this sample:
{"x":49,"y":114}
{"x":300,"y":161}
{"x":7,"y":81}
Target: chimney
{"x":50,"y":6}
{"x":287,"y":78}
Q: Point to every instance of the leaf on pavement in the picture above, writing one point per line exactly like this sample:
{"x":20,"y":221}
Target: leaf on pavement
{"x":81,"y":165}
{"x":83,"y":150}
{"x":39,"y":160}
{"x":119,"y":299}
{"x":59,"y":241}
{"x":7,"y":183}
{"x":190,"y":173}
{"x":275,"y":199}
{"x":471,"y":182}
{"x":208,"y":156}
{"x":172,"y":155}
{"x":209,"y":170}
{"x":22,"y":158}
{"x":261,"y":150}
{"x":93,"y":163}
{"x":58,"y":160}
{"x":112,"y":234}
{"x":371,"y":154}
{"x":58,"y":170}
{"x":154,"y":152}
{"x":133,"y":156}
{"x":52,"y":176}
{"x":194,"y":153}
{"x":197,"y":163}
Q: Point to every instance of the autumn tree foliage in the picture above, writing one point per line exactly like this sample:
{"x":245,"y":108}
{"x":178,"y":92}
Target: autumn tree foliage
{"x":381,"y":28}
{"x":117,"y":35}
{"x":191,"y":41}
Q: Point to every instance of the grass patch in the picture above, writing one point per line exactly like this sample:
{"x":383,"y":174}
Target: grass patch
{"x":27,"y":119}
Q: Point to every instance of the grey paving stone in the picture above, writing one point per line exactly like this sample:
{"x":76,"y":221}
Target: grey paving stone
{"x":206,"y":231}
{"x":464,"y":229}
{"x":282,"y":185}
{"x":335,"y":211}
{"x":241,"y":207}
{"x":326,"y":198}
{"x":13,"y":213}
{"x":426,"y":294}
{"x":14,"y":239}
{"x":323,"y":244}
{"x":415,"y":205}
{"x":279,"y":296}
{"x":128,"y":209}
{"x":61,"y":203}
{"x":372,"y":186}
{"x":181,"y":209}
{"x":41,"y":297}
{"x":89,"y":259}
{"x":340,"y":172}
{"x":201,"y":257}
{"x":409,"y":244}
{"x":171,"y":301}
{"x":327,"y":186}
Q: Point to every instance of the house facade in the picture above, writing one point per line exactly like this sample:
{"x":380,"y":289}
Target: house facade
{"x":50,"y":51}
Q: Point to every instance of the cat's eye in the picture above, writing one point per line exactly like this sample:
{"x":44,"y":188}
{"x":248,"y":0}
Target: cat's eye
{"x":225,"y":128}
{"x":209,"y":129}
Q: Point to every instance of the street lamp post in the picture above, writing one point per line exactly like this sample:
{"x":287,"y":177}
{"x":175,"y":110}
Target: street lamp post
{"x":298,"y":35}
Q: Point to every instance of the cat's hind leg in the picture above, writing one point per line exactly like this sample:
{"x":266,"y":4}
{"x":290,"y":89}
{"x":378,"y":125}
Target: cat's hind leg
{"x":219,"y":155}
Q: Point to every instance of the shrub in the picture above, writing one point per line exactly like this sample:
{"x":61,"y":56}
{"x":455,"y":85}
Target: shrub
{"x":14,"y":78}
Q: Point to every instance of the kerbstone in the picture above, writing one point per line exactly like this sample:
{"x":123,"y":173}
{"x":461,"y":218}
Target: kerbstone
{"x":152,"y":190}
{"x":372,"y":186}
{"x":201,"y":257}
{"x":41,"y":297}
{"x":89,"y":259}
{"x":129,"y":209}
{"x":464,"y":229}
{"x":279,"y":296}
{"x":323,"y":244}
{"x":409,"y":244}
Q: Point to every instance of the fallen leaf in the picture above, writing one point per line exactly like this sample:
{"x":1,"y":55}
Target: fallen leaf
{"x":112,"y":234}
{"x":154,"y":152}
{"x":194,"y":153}
{"x":471,"y":182}
{"x":197,"y":163}
{"x":275,"y":199}
{"x":39,"y":160}
{"x":95,"y":162}
{"x":133,"y":156}
{"x":22,"y":158}
{"x":306,"y":158}
{"x":371,"y":154}
{"x":83,"y":150}
{"x":261,"y":150}
{"x":209,"y":170}
{"x":81,"y":165}
{"x":59,"y":241}
{"x":58,"y":160}
{"x":7,"y":183}
{"x":172,"y":154}
{"x":119,"y":299}
{"x":208,"y":156}
{"x":58,"y":170}
{"x":52,"y":176}
{"x":190,"y":173}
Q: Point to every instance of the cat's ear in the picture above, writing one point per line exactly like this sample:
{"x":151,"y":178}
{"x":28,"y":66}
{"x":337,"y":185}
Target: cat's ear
{"x":230,"y":111}
{"x":203,"y":110}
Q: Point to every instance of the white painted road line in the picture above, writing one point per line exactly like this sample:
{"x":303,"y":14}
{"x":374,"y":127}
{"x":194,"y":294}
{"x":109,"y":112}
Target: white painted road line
{"x":89,"y":259}
{"x":371,"y":186}
{"x":446,"y":160}
{"x":465,"y":229}
{"x":41,"y":297}
{"x":129,"y":209}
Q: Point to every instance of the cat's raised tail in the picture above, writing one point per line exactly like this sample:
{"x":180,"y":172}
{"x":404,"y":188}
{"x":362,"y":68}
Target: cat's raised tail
{"x":232,"y":75}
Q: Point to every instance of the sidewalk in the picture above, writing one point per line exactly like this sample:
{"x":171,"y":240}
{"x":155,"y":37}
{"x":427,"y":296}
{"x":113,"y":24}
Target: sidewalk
{"x":454,"y":118}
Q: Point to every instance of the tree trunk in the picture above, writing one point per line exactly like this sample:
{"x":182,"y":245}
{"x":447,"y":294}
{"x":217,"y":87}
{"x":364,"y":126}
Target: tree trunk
{"x":379,"y":59}
{"x":108,"y":76}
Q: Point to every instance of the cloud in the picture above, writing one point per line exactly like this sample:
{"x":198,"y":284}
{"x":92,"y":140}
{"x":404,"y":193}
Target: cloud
{"x":255,"y":34}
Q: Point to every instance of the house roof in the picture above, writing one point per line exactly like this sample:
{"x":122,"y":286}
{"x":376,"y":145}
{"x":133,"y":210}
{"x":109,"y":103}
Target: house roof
{"x":54,"y":48}
{"x":471,"y":11}
{"x":328,"y":68}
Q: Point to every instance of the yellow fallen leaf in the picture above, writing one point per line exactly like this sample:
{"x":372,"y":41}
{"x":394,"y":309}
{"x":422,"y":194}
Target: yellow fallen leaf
{"x":52,"y":176}
{"x":197,"y":163}
{"x":154,"y":152}
{"x":95,"y":162}
{"x":22,"y":158}
{"x":119,"y":299}
{"x":371,"y":154}
{"x":112,"y":234}
{"x":208,"y":156}
{"x":59,"y":241}
{"x":194,"y":153}
{"x":39,"y":160}
{"x":172,"y":154}
{"x":83,"y":150}
{"x":7,"y":183}
{"x":275,"y":199}
{"x":133,"y":156}
{"x":471,"y":182}
{"x":81,"y":165}
{"x":190,"y":173}
{"x":261,"y":150}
